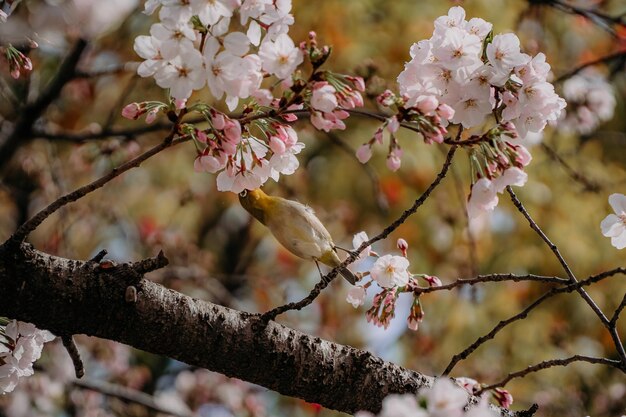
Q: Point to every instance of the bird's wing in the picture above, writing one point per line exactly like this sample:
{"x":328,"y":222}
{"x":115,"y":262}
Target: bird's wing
{"x":295,"y":226}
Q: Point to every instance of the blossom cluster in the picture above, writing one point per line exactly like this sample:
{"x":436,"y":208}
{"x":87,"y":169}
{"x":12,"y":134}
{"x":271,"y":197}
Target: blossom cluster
{"x":192,"y":46}
{"x":20,"y":346}
{"x":243,"y":160}
{"x":390,"y":273}
{"x":426,"y":114}
{"x":444,"y":398}
{"x":477,"y":74}
{"x":591,"y":101}
{"x":198,"y":43}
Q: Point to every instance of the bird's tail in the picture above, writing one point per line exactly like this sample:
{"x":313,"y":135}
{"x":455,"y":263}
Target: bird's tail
{"x":348,"y":275}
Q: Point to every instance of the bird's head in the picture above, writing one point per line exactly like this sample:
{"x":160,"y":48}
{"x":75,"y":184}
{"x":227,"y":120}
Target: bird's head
{"x":254,"y":201}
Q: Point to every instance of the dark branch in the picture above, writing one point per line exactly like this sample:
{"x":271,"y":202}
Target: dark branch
{"x":129,"y":395}
{"x":24,"y":230}
{"x":550,"y":364}
{"x":31,"y":112}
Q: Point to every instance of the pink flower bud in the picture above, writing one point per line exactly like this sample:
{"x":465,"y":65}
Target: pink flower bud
{"x":393,"y":125}
{"x":503,"y":397}
{"x":201,"y":135}
{"x":432,"y":281}
{"x":364,"y":153}
{"x":403,"y":246}
{"x":445,"y":111}
{"x":151,"y":116}
{"x":277,"y":146}
{"x":131,"y":111}
{"x":523,"y":156}
{"x":358,"y":82}
{"x":217,"y":119}
{"x":393,"y":159}
{"x":427,"y":104}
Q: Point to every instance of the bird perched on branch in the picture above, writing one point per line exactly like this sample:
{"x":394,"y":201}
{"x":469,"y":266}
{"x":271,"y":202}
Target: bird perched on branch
{"x":296,"y":227}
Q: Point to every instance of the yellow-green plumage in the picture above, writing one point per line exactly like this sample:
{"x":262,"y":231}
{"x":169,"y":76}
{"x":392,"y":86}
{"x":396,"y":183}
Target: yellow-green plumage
{"x":296,"y":227}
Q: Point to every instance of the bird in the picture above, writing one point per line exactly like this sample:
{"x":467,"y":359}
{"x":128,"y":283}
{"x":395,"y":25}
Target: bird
{"x":296,"y":227}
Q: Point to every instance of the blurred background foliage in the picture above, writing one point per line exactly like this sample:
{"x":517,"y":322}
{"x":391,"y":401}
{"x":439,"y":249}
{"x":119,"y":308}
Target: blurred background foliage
{"x":216,"y":253}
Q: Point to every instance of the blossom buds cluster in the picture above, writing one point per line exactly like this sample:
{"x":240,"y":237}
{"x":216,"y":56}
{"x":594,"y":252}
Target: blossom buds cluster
{"x":391,"y":274}
{"x":496,"y":163}
{"x":18,"y":62}
{"x":150,"y":108}
{"x":243,"y":160}
{"x":425,"y":114}
{"x":331,"y":96}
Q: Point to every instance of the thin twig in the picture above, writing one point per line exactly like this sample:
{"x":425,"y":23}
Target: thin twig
{"x":524,"y":313}
{"x":492,"y":278}
{"x":31,"y":112}
{"x":25,"y":229}
{"x":601,"y":60}
{"x":549,"y":364}
{"x":576,"y":176}
{"x":618,"y":311}
{"x":129,"y":395}
{"x":619,"y":346}
{"x":327,"y":279}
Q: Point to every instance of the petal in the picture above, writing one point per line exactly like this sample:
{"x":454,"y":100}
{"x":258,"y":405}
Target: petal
{"x":619,"y":241}
{"x":618,"y":202}
{"x":611,"y":226}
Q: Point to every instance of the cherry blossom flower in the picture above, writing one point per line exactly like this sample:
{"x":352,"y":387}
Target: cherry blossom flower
{"x":323,"y":97}
{"x":445,"y":398}
{"x":358,"y":240}
{"x":614,"y":225}
{"x":356,"y":296}
{"x":364,"y":153}
{"x":483,"y":198}
{"x":280,"y":57}
{"x":389,"y":271}
{"x":20,"y":346}
{"x":184,"y":74}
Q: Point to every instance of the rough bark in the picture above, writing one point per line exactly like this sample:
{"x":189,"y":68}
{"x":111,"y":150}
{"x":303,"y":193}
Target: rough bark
{"x":75,"y":297}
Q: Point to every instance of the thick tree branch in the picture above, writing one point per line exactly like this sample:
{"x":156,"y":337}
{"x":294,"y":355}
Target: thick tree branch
{"x":72,"y":297}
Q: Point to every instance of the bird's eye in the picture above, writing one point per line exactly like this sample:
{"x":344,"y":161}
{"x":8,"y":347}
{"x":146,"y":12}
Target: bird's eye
{"x":243,"y":193}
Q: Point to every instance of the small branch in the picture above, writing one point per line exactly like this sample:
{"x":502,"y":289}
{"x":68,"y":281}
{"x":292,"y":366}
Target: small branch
{"x":72,"y":350}
{"x":25,"y":229}
{"x":99,"y":256}
{"x":603,"y":60}
{"x":31,"y":112}
{"x":618,"y":311}
{"x":271,"y":315}
{"x":524,"y":313}
{"x":151,"y":264}
{"x":619,"y":346}
{"x":493,"y":278}
{"x":602,"y":20}
{"x":129,"y":395}
{"x":576,"y":176}
{"x":549,"y":364}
